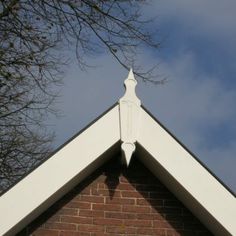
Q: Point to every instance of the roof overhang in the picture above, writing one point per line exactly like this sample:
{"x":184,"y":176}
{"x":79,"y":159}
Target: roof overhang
{"x":184,"y":175}
{"x":130,"y":124}
{"x":61,"y":172}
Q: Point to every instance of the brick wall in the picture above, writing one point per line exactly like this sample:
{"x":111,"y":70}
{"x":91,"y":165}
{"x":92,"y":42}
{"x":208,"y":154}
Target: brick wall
{"x":117,"y":201}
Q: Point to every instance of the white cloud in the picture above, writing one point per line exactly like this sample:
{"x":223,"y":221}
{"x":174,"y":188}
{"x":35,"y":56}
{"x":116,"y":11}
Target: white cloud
{"x":85,"y":95}
{"x":208,"y":18}
{"x":190,"y":104}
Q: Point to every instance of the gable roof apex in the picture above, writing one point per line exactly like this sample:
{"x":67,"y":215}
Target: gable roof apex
{"x":130,"y":125}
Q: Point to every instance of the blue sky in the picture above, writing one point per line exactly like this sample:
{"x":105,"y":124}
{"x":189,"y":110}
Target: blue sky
{"x":197,"y":104}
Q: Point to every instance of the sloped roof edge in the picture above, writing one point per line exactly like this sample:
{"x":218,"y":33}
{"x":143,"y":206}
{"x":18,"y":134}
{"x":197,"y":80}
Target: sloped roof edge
{"x":59,"y":148}
{"x":211,"y":201}
{"x":54,"y":177}
{"x":189,"y":151}
{"x":193,"y":184}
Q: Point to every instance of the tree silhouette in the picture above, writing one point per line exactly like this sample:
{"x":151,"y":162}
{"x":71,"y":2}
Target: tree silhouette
{"x":32,"y":34}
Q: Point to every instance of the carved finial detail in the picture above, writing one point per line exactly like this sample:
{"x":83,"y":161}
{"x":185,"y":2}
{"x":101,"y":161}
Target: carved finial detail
{"x":129,"y":118}
{"x":130,"y":84}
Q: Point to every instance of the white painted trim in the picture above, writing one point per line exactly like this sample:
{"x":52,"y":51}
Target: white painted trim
{"x":201,"y":192}
{"x":42,"y":187}
{"x":129,"y":118}
{"x":193,"y":184}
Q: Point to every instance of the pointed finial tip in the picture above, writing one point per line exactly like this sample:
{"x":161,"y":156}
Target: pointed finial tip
{"x":131,"y":76}
{"x":127,"y":151}
{"x":130,"y":84}
{"x":131,"y":72}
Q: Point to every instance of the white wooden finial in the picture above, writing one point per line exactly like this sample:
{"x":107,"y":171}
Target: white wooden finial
{"x":129,"y":118}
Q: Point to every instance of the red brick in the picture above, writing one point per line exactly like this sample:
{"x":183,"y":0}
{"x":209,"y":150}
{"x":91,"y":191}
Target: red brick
{"x":93,"y":199}
{"x":172,"y":232}
{"x":85,"y":191}
{"x":101,"y":185}
{"x":89,"y":213}
{"x":123,"y":179}
{"x":152,"y":202}
{"x":136,"y":209}
{"x":62,"y":226}
{"x":79,"y":205}
{"x":167,"y":210}
{"x":136,"y":204}
{"x":120,"y":201}
{"x":120,"y":230}
{"x":145,"y":231}
{"x":134,"y":194}
{"x":76,"y":220}
{"x":91,"y":228}
{"x":104,"y":221}
{"x":45,"y":232}
{"x":100,"y":234}
{"x":54,"y":218}
{"x":66,"y":233}
{"x":100,"y":179}
{"x":119,"y":215}
{"x":107,"y":207}
{"x":142,"y":223}
{"x":150,"y":216}
{"x":105,"y":192}
{"x":123,"y":186}
{"x":161,"y":232}
{"x":68,"y":211}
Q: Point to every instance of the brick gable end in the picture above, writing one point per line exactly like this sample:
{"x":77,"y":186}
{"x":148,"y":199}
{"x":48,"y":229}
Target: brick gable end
{"x":117,"y":201}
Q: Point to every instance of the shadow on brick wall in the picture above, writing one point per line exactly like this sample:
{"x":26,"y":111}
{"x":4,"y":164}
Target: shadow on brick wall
{"x":116,"y":200}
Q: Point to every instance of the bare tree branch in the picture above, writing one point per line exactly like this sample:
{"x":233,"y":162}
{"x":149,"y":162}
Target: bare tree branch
{"x":34,"y":36}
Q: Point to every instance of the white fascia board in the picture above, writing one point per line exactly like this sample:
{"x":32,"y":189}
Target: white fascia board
{"x":193,"y":184}
{"x":47,"y":183}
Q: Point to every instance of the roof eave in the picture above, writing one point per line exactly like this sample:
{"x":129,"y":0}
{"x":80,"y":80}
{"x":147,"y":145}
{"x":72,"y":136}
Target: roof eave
{"x":127,"y":123}
{"x":61,"y":172}
{"x":193,"y":184}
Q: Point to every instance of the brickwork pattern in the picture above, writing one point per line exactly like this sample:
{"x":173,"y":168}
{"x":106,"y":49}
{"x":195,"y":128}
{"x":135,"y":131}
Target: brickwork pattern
{"x":117,"y":201}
